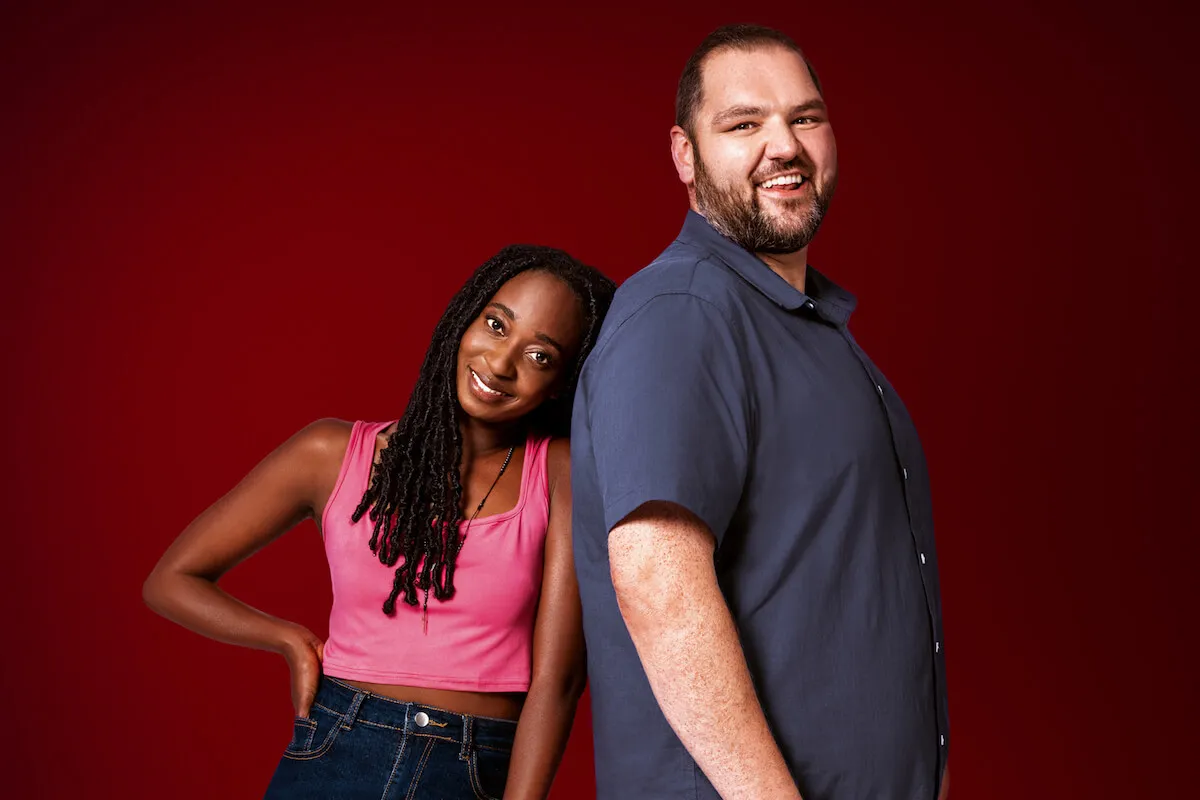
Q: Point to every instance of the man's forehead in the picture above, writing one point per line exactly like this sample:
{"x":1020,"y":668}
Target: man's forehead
{"x":729,"y":76}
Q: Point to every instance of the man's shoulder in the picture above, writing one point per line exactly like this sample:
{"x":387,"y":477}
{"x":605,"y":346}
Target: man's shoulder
{"x":687,"y":297}
{"x":683,"y":271}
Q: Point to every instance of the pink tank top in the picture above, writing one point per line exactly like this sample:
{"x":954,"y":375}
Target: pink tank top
{"x":479,"y":640}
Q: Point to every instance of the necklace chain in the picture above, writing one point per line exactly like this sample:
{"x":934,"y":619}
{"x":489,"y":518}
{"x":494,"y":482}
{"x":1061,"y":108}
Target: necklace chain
{"x":478,"y":508}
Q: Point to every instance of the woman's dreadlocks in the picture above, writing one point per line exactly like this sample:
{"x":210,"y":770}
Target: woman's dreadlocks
{"x":417,"y":483}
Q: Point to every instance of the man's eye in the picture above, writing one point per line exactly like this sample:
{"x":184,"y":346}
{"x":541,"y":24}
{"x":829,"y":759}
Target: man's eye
{"x":743,"y":126}
{"x":805,"y":121}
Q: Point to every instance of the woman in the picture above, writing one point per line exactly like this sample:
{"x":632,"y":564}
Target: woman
{"x":461,"y":509}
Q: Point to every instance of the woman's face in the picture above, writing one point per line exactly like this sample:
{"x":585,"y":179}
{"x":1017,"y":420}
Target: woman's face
{"x":517,"y":353}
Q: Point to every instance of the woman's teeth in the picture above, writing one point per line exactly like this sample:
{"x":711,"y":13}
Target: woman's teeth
{"x":483,"y":387}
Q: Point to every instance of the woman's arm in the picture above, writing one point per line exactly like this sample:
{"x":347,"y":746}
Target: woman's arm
{"x":559,"y":668}
{"x":290,"y":484}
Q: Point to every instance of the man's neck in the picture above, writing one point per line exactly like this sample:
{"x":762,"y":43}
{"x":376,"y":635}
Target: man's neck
{"x":789,"y":266}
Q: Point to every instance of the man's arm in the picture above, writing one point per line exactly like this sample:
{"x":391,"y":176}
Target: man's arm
{"x":661,"y":557}
{"x":670,"y":408}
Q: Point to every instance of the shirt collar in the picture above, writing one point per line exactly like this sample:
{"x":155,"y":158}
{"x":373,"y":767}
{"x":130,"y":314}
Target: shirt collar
{"x":823,"y":297}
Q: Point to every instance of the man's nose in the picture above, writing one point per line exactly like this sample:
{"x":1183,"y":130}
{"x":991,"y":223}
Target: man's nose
{"x":782,"y":144}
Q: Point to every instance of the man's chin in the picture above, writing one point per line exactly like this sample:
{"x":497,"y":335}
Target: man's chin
{"x":792,"y":232}
{"x":787,"y":238}
{"x":792,"y":215}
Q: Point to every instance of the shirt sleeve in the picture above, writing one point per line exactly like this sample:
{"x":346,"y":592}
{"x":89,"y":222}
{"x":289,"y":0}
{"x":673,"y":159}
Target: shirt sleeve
{"x":668,"y":412}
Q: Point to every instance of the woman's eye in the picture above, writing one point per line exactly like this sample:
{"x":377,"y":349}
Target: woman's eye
{"x":494,"y":324}
{"x":541,"y":358}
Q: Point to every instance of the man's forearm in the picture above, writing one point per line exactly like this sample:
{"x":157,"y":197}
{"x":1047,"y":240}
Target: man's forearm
{"x":689,"y":647}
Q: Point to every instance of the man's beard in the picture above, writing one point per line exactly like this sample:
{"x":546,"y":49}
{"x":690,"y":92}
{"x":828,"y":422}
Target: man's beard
{"x":748,"y":225}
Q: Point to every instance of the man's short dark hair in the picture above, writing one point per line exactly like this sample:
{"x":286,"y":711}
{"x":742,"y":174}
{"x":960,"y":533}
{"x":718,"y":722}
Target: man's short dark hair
{"x":732,"y":37}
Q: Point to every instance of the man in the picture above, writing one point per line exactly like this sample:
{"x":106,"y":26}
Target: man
{"x":752,"y":520}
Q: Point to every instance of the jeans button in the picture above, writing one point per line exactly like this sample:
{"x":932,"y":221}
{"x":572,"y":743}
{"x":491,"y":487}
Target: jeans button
{"x":421,"y":718}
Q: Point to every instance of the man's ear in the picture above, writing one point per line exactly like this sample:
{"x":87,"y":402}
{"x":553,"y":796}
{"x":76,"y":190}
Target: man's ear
{"x":683,"y":153}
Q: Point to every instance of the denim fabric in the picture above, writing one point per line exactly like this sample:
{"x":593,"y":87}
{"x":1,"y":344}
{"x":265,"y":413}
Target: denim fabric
{"x":355,"y":744}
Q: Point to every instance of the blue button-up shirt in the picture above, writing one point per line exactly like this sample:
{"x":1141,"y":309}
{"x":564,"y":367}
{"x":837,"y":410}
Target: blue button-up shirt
{"x":718,"y":386}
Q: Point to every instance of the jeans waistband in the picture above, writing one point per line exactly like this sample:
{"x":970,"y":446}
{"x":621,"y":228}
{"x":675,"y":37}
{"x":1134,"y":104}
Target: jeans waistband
{"x":358,"y":706}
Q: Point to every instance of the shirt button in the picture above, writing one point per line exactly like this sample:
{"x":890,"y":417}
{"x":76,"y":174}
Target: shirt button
{"x":810,"y":305}
{"x":937,"y":647}
{"x":421,"y":719}
{"x":905,"y":470}
{"x":879,"y":389}
{"x":942,"y":740}
{"x":922,"y":558}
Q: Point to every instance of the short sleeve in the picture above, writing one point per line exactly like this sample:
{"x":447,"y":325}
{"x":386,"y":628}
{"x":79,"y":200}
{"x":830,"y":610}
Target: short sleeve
{"x":666,"y":403}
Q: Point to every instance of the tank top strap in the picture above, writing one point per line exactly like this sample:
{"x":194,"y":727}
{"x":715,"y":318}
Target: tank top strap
{"x":355,"y":472}
{"x":538,"y":484}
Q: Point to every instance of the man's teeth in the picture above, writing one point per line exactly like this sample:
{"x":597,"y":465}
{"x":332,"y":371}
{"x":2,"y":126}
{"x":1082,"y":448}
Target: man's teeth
{"x":783,"y":180}
{"x":483,"y":386}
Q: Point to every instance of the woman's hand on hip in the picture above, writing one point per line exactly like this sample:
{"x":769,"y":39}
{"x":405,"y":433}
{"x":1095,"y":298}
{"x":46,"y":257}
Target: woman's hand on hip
{"x":304,"y":654}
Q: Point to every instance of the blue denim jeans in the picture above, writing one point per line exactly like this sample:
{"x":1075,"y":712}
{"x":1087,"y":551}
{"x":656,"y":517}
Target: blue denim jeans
{"x":359,"y":745}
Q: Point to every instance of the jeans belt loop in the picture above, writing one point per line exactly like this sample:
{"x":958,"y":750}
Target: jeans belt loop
{"x":352,"y":712}
{"x":464,"y":752}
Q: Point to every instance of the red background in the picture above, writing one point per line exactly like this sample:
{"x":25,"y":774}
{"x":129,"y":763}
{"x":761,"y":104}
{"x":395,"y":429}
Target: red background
{"x":220,"y":223}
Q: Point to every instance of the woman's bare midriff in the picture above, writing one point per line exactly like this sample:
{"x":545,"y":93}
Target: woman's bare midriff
{"x":499,"y":705}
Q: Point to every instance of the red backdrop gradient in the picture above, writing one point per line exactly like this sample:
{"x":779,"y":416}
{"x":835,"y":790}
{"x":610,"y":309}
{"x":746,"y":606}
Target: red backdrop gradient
{"x":220,"y":222}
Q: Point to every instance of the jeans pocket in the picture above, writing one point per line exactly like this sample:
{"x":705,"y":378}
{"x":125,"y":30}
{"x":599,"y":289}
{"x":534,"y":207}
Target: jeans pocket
{"x":303,"y":731}
{"x":489,"y":772}
{"x":313,"y":736}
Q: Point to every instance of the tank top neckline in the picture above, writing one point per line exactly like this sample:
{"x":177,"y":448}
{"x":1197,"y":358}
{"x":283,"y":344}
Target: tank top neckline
{"x":490,"y":519}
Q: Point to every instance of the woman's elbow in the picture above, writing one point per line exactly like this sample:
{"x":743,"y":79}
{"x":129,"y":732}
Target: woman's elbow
{"x":153,"y":591}
{"x":574,"y":684}
{"x":566,"y":686}
{"x":160,"y":588}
